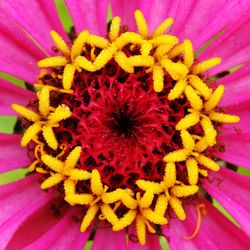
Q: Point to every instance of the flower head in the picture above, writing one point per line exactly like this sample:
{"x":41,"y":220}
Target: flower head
{"x":125,"y":129}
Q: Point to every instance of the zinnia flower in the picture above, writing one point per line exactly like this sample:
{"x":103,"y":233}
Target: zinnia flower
{"x":127,"y":132}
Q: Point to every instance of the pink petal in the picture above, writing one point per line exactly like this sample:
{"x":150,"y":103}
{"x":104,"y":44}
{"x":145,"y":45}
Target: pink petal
{"x":216,"y":232}
{"x":63,"y":234}
{"x":232,"y":191}
{"x":152,"y":241}
{"x":106,"y":239}
{"x":126,"y":11}
{"x":12,"y":154}
{"x":89,"y":14}
{"x":19,"y":200}
{"x":18,"y":54}
{"x":37,"y":19}
{"x":10,"y":93}
{"x":237,"y":86}
{"x":232,"y":51}
{"x":236,"y":149}
{"x":210,"y":17}
{"x":243,"y":111}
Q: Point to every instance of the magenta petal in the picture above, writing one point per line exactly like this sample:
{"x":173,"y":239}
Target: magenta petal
{"x":89,"y":14}
{"x":10,"y":93}
{"x":152,"y":241}
{"x":37,"y":19}
{"x":12,"y":154}
{"x":64,"y":234}
{"x":233,"y":46}
{"x":126,"y":11}
{"x":18,"y":54}
{"x":19,"y":200}
{"x":243,"y":111}
{"x":237,"y":86}
{"x":106,"y":239}
{"x":210,"y":17}
{"x":232,"y":191}
{"x":216,"y":232}
{"x":236,"y":149}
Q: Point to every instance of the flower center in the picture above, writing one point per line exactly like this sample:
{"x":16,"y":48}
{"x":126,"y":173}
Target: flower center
{"x":124,"y":126}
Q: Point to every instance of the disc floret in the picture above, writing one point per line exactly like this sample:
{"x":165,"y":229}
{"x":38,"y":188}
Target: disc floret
{"x":162,"y":59}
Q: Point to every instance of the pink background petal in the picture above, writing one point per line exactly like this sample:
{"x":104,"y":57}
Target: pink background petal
{"x":152,"y":241}
{"x":10,"y":93}
{"x":236,"y":149}
{"x":64,"y":234}
{"x":106,"y":239}
{"x":12,"y":154}
{"x":125,"y":11}
{"x":19,"y":200}
{"x":233,"y":46}
{"x":37,"y":19}
{"x":237,"y":86}
{"x":216,"y":232}
{"x":232,"y":191}
{"x":89,"y":14}
{"x":18,"y":54}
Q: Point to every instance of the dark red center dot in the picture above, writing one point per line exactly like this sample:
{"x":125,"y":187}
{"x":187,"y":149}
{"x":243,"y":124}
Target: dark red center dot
{"x":124,"y":127}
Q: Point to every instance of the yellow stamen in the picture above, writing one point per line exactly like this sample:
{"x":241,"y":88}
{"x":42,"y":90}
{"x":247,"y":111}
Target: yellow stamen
{"x":68,"y":76}
{"x":88,"y":218}
{"x":60,"y":43}
{"x":114,"y":28}
{"x":78,"y":44}
{"x":187,"y":140}
{"x":97,"y":41}
{"x":62,"y":112}
{"x":140,"y":61}
{"x":141,"y":24}
{"x":122,"y":60}
{"x":28,"y":114}
{"x":163,"y":27}
{"x":177,"y":156}
{"x":192,"y":170}
{"x":188,"y":121}
{"x":158,"y":77}
{"x":205,"y":65}
{"x":30,"y":133}
{"x":44,"y":101}
{"x":176,"y":205}
{"x":96,"y":184}
{"x":56,"y":61}
{"x":50,"y":137}
{"x":177,"y":90}
{"x":52,"y":181}
{"x":188,"y":53}
{"x":154,"y":217}
{"x":193,"y":98}
{"x":224,"y":118}
{"x":215,"y":98}
{"x":73,"y":157}
{"x":170,"y":174}
{"x":146,"y":48}
{"x":141,"y":229}
{"x":176,"y":70}
{"x":209,"y":131}
{"x":103,"y":58}
{"x":84,"y":63}
{"x":200,"y":86}
{"x":184,"y":191}
{"x":208,"y":163}
{"x":161,"y":205}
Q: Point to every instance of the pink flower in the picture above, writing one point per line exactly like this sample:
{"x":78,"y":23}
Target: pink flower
{"x":95,"y":128}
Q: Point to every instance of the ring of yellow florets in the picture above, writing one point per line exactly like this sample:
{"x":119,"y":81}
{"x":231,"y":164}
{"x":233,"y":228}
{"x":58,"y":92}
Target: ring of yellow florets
{"x":158,"y":53}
